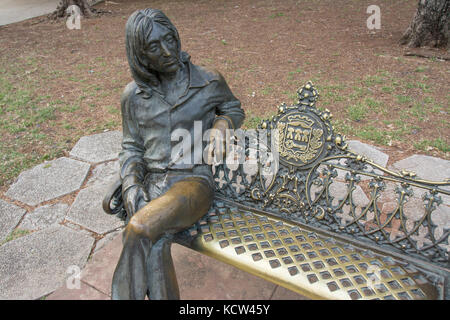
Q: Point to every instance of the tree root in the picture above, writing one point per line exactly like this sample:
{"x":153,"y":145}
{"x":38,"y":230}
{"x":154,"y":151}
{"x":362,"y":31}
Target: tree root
{"x":86,"y":10}
{"x":427,"y":56}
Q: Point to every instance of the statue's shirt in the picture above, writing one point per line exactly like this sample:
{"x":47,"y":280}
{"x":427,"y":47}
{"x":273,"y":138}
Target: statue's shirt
{"x":158,"y":133}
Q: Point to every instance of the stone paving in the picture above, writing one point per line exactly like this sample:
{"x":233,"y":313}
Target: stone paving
{"x":17,"y":10}
{"x":48,"y":181}
{"x":66,"y":230}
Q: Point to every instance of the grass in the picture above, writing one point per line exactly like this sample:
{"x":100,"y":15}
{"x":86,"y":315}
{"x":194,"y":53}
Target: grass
{"x":381,"y":108}
{"x":358,"y":93}
{"x":357,"y":112}
{"x":373,"y":104}
{"x":370,"y":81}
{"x":292,"y":74}
{"x":331,"y":93}
{"x":26,"y":119}
{"x":403,"y":99}
{"x":293,"y":97}
{"x":372,"y":133}
{"x":15,"y":235}
{"x":13,"y":162}
{"x":400,"y":114}
{"x":387,"y":89}
{"x":70,"y":108}
{"x":113,"y":109}
{"x":276,"y":15}
{"x":267,"y":90}
{"x":437,"y":143}
{"x":421,"y":69}
{"x":252,"y":121}
{"x":418,"y":111}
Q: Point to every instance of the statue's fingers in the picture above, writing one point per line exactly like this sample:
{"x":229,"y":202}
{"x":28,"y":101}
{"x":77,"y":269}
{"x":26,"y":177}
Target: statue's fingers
{"x":210,"y":152}
{"x":144,"y":195}
{"x":209,"y":159}
{"x":218,"y":146}
{"x":224,"y":147}
{"x":130,"y":208}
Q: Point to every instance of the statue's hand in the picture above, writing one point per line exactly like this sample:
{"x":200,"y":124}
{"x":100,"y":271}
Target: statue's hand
{"x":135,"y":198}
{"x":217,"y":142}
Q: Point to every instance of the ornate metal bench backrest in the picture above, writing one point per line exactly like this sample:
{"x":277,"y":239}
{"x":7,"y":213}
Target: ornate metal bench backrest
{"x":319,"y":182}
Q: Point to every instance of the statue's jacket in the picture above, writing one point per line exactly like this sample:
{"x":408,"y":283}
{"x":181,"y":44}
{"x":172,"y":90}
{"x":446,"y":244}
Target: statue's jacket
{"x":157,"y":134}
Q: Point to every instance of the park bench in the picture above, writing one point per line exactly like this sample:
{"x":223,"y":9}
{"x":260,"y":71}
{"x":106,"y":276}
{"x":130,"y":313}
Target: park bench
{"x":302,"y":223}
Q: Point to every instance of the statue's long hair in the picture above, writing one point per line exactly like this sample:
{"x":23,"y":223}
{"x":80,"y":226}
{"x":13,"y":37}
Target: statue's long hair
{"x":137,"y":32}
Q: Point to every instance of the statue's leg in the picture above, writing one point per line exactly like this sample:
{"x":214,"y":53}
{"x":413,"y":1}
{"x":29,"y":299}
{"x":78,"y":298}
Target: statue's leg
{"x":177,"y":209}
{"x":162,"y":280}
{"x":130,"y":277}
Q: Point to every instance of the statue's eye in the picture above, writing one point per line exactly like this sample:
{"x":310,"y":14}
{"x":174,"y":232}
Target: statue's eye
{"x":170,"y":39}
{"x":152,"y":48}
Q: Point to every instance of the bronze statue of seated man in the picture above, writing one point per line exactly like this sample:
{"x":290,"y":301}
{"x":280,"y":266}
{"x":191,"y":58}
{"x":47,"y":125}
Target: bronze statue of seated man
{"x":164,"y":189}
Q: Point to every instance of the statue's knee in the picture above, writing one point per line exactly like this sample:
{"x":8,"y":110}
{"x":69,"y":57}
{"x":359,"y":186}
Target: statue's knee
{"x":136,"y":228}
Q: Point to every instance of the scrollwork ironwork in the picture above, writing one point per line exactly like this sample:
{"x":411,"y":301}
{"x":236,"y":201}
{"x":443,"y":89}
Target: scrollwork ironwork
{"x":320,"y":182}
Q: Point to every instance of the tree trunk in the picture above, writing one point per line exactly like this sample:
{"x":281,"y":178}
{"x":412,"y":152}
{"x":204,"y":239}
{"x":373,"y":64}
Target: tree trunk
{"x":85,"y":8}
{"x":430,"y":25}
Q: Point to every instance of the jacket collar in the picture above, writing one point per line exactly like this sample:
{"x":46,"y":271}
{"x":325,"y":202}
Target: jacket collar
{"x":198,"y":77}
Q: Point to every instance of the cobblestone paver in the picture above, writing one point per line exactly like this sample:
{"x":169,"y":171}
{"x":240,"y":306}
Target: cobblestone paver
{"x":37,"y":264}
{"x":10,"y":216}
{"x":98,"y":147}
{"x":48,"y":181}
{"x":87,"y":211}
{"x":45,"y":216}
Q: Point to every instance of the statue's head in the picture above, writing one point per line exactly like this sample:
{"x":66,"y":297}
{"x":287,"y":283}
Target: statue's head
{"x":153,"y":46}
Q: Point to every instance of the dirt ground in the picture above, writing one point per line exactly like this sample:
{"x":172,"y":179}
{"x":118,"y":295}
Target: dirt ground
{"x":57,"y":85}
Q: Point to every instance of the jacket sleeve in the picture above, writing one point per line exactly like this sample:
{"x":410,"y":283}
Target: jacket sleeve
{"x":132,"y":165}
{"x":229,"y":107}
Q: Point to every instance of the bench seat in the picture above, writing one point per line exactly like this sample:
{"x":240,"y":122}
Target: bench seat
{"x":303,"y":259}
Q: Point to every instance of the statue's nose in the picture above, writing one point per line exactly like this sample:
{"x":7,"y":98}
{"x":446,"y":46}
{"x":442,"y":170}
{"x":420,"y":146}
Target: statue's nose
{"x":165,"y":50}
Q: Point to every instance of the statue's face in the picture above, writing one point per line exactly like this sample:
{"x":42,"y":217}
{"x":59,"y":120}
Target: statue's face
{"x":161,"y":50}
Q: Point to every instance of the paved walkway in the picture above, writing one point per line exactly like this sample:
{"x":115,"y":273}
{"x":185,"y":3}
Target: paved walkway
{"x":55,"y":210}
{"x":18,"y":10}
